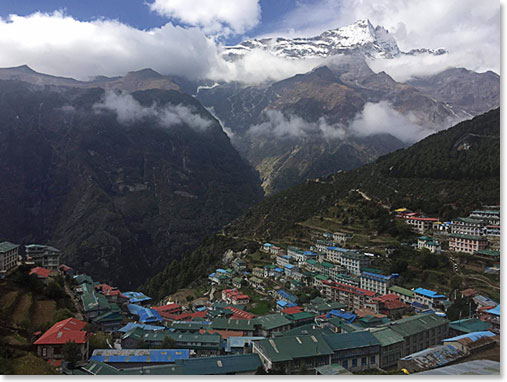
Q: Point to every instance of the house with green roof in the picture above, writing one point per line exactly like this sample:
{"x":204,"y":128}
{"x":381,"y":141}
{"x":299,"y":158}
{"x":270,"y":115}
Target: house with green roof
{"x":466,"y":326}
{"x":391,"y":346}
{"x":406,"y":295}
{"x":292,"y":353}
{"x":356,"y":351}
{"x":111,"y":320}
{"x":271,"y":323}
{"x":301,"y":318}
{"x":421,"y":331}
{"x":229,"y":324}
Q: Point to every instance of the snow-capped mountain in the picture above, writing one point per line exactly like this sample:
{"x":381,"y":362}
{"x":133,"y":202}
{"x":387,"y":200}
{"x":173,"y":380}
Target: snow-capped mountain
{"x":360,"y":37}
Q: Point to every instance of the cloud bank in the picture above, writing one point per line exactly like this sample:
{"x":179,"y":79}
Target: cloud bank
{"x":292,"y":126}
{"x":214,"y":17}
{"x":128,"y":110}
{"x":382,"y":118}
{"x":374,"y":119}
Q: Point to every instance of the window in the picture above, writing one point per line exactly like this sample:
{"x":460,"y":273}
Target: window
{"x":345,"y":364}
{"x":354,"y":362}
{"x":372,"y":360}
{"x":363,"y":361}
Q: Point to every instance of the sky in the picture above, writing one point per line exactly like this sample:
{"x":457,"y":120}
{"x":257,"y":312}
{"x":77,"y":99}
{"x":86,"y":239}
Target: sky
{"x":82,"y":39}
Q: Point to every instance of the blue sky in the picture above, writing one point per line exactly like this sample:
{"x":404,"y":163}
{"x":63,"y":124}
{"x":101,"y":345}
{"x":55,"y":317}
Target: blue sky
{"x":137,"y":14}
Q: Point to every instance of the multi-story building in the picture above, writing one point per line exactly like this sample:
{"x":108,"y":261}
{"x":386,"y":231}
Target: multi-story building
{"x":8,"y":256}
{"x":490,"y":216}
{"x":420,"y":331}
{"x":467,"y":243}
{"x":43,"y":256}
{"x":419,"y":224}
{"x":353,"y":262}
{"x":391,"y":346}
{"x":353,"y":297}
{"x":425,"y":242}
{"x":321,"y":245}
{"x":468,"y":226}
{"x":428,"y":297}
{"x":291,"y":353}
{"x":493,"y":230}
{"x":341,"y":237}
{"x":283,"y":260}
{"x":334,"y":254}
{"x":356,"y":351}
{"x":406,"y":295}
{"x":377,"y":283}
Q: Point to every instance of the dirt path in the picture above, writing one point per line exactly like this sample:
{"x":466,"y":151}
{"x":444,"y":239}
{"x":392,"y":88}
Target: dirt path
{"x":79,"y":314}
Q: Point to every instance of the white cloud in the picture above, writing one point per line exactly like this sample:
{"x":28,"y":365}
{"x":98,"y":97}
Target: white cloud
{"x":213,"y":16}
{"x":292,"y":126}
{"x":61,"y":45}
{"x":128,"y":110}
{"x":469,"y":29}
{"x":381,"y":118}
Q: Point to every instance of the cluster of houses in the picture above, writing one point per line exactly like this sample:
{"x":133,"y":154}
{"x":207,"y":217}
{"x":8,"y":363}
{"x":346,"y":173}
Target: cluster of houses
{"x":37,"y":255}
{"x":477,"y":234}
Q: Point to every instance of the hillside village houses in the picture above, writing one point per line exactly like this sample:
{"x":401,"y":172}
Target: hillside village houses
{"x":362,"y":320}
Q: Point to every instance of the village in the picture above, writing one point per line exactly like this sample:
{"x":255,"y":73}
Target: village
{"x":327,"y":309}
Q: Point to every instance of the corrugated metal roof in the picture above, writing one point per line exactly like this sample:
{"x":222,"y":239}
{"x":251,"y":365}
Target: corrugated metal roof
{"x":351,"y":340}
{"x":477,"y":367}
{"x":472,"y":336}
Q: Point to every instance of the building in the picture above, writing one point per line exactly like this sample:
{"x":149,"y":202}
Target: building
{"x":300,"y":318}
{"x":41,"y":273}
{"x":43,"y":256}
{"x":353,"y":297}
{"x":430,"y":358}
{"x":272,"y":323}
{"x":425,"y":242}
{"x":419,"y":224}
{"x":376,"y":282}
{"x":420,"y":331}
{"x":468,"y":226}
{"x":50,"y":344}
{"x":131,"y":358}
{"x":406,"y":295}
{"x":353,"y":262}
{"x":246,"y":326}
{"x":8,"y":257}
{"x":145,"y":315}
{"x":292,"y":353}
{"x":287,"y":297}
{"x":341,"y":237}
{"x":428,"y":297}
{"x":239,"y":265}
{"x":240,"y":345}
{"x":258,"y":272}
{"x":467,"y":325}
{"x":334,"y":253}
{"x":355,"y":351}
{"x":490,"y":216}
{"x":467,"y":243}
{"x":66,"y":270}
{"x":391,"y":346}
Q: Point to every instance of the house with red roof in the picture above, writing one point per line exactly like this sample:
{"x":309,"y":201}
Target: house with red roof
{"x":41,"y":273}
{"x":50,"y":344}
{"x":168,"y":309}
{"x":292,"y":310}
{"x":239,"y":314}
{"x":66,"y":270}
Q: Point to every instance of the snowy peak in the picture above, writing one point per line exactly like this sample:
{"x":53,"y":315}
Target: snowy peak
{"x":360,"y":37}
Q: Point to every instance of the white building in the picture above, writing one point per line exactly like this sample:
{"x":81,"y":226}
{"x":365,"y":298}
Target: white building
{"x":353,"y":262}
{"x":425,"y":242}
{"x":376,"y":282}
{"x":8,"y":256}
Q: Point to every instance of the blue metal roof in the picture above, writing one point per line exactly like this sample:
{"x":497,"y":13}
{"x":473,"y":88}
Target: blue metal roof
{"x":144,"y":314}
{"x":268,"y":244}
{"x":136,"y":297}
{"x":289,"y":266}
{"x":428,"y":293}
{"x":221,"y":270}
{"x":278,"y":270}
{"x":139,"y":355}
{"x":338,"y":249}
{"x":132,"y":325}
{"x":495,"y":310}
{"x":347,"y":316}
{"x":309,"y":253}
{"x":474,"y":336}
{"x":376,"y":276}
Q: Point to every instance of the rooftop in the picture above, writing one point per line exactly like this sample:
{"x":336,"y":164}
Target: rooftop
{"x":288,"y":348}
{"x":353,"y":340}
{"x":469,"y":325}
{"x":70,"y":329}
{"x":272,"y":321}
{"x":139,"y":355}
{"x":6,"y":246}
{"x":477,"y":367}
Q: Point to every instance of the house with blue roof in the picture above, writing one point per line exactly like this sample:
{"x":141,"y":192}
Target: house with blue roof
{"x":129,"y":358}
{"x":145,"y":315}
{"x":346,"y":316}
{"x":283,"y":295}
{"x":132,"y":325}
{"x":137,"y":297}
{"x":281,"y":305}
{"x":428,"y":297}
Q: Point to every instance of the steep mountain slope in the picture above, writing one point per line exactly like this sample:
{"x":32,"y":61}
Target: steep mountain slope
{"x":122,"y":185}
{"x":446,"y":174}
{"x":473,"y":92}
{"x":360,"y":37}
{"x":299,"y":127}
